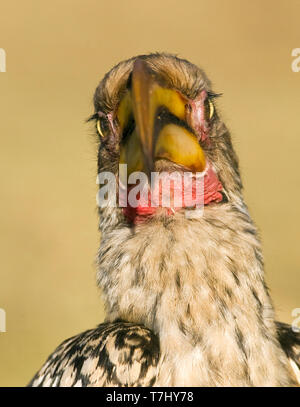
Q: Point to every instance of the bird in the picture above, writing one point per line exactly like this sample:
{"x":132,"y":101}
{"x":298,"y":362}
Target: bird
{"x":183,"y":283}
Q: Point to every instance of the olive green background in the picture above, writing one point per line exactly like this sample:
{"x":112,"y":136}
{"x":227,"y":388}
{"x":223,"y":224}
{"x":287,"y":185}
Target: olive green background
{"x":57,"y":51}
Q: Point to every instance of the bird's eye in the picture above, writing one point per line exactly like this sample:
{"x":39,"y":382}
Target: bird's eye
{"x":102,"y":128}
{"x":208,"y":109}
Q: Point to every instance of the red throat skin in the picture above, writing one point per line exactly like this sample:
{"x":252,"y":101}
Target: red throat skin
{"x":211,"y":192}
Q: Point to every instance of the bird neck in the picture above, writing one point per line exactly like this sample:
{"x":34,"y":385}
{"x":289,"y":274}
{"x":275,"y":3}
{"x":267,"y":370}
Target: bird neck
{"x":199,"y":285}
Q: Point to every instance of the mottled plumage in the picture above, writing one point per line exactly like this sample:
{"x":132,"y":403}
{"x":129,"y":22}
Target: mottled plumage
{"x":117,"y":354}
{"x":290,"y":342}
{"x":120,"y":354}
{"x":191,"y":289}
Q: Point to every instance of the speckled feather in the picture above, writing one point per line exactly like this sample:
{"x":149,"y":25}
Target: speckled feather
{"x":120,"y":354}
{"x":113,"y":354}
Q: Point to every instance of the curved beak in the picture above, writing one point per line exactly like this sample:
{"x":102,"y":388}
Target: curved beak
{"x":161,"y":130}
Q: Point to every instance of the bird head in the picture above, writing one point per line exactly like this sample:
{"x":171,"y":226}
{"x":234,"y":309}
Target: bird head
{"x":156,"y":114}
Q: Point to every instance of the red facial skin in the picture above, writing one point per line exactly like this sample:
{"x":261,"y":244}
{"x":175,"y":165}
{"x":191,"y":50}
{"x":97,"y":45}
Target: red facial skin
{"x":211,"y":193}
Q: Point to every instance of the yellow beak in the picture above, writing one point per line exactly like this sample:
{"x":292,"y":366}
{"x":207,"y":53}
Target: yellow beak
{"x":160,"y":130}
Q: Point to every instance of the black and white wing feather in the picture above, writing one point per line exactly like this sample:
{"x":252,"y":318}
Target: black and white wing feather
{"x":290,"y":342}
{"x":113,"y":354}
{"x":123,"y":354}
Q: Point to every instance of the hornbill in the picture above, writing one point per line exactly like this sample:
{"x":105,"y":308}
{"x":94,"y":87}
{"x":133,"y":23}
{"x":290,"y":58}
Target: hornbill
{"x":186,"y":299}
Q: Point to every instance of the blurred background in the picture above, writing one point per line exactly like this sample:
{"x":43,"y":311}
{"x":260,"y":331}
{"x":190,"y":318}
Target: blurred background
{"x":56,"y":54}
